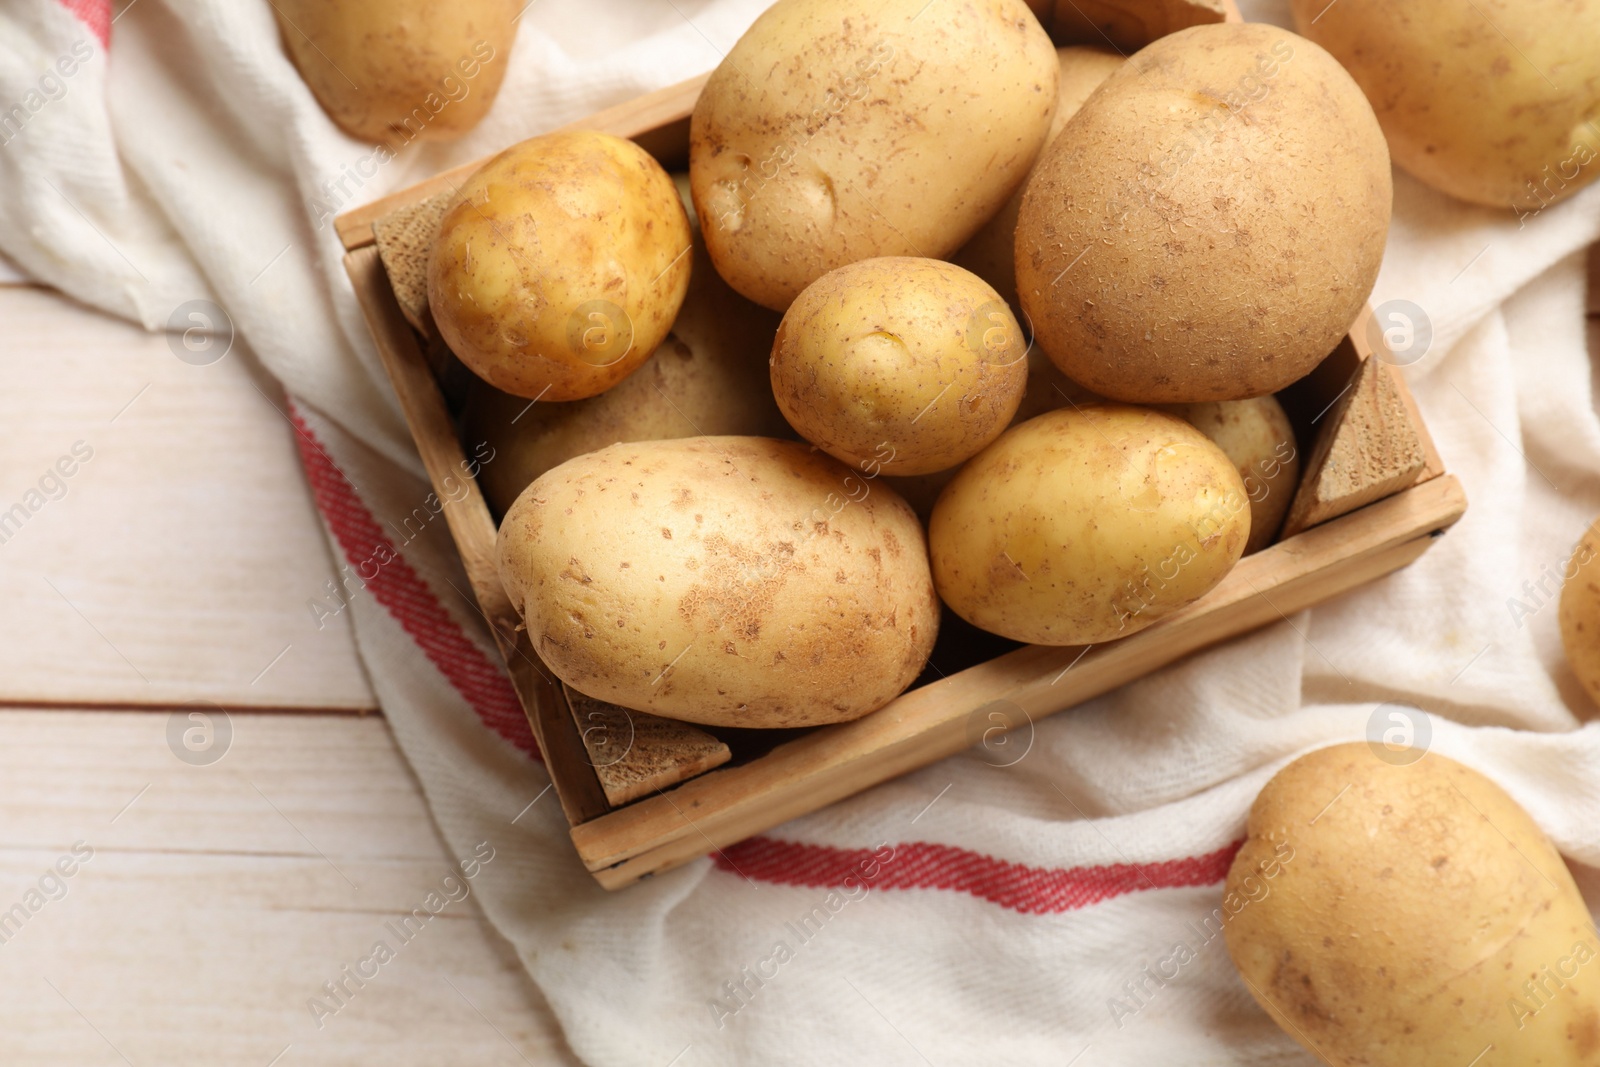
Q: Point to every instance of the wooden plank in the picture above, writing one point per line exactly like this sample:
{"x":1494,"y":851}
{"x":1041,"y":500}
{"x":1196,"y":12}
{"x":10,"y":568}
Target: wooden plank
{"x":215,"y":904}
{"x":1367,"y":450}
{"x":635,"y":753}
{"x":933,"y":722}
{"x":1433,"y":463}
{"x":632,"y":118}
{"x":473,"y":530}
{"x":181,"y":559}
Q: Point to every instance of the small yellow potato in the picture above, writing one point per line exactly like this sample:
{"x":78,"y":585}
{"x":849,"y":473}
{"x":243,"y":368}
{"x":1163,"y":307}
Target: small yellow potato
{"x":708,"y":377}
{"x":1580,"y":612}
{"x":1086,"y":524}
{"x":1491,"y":101}
{"x":561,"y":265}
{"x":400,"y":70}
{"x":991,"y":254}
{"x":734,"y":581}
{"x":1257,"y":436}
{"x":838,"y":130}
{"x":899,"y":365}
{"x":1211,"y":221}
{"x":1408,"y":913}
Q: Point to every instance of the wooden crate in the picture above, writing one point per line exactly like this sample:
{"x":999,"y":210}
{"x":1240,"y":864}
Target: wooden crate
{"x":1373,"y":496}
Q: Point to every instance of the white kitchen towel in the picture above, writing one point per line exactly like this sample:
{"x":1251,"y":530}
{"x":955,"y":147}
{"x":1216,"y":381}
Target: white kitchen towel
{"x":1019,"y":906}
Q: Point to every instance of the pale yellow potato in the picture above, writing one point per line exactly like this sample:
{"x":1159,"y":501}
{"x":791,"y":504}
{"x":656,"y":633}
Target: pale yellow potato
{"x":1580,"y":612}
{"x":1492,"y":101}
{"x":1087,"y":524}
{"x":708,"y":377}
{"x":991,"y":254}
{"x":1211,"y":223}
{"x":899,"y":365}
{"x":1257,"y":435}
{"x":838,"y":130}
{"x":561,"y":265}
{"x":400,"y":70}
{"x":1410,"y":915}
{"x":734,"y":581}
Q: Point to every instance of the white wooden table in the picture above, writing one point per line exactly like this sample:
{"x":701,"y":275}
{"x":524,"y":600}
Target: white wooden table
{"x":174,"y":566}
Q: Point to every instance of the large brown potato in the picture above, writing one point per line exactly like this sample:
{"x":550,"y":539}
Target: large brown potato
{"x":1211,"y":221}
{"x":735,"y":581}
{"x":838,"y":130}
{"x":561,"y":265}
{"x":400,"y":70}
{"x":1492,"y":101}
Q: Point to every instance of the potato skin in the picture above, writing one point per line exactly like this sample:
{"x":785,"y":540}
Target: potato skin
{"x":1047,"y":389}
{"x":1086,"y":524}
{"x":1257,"y":436}
{"x":708,"y":377}
{"x":1407,"y":916}
{"x":734,"y":581}
{"x":561,"y":266}
{"x":899,"y":365}
{"x":1580,"y":612}
{"x":991,"y":253}
{"x":1460,"y":89}
{"x":838,"y":130}
{"x":1210,"y":223}
{"x":400,"y":70}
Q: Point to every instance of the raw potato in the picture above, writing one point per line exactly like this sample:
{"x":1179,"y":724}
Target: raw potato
{"x":735,"y":581}
{"x":1491,"y":101}
{"x":400,"y":70}
{"x":899,"y":365}
{"x":991,"y":254}
{"x":561,"y":266}
{"x":1411,"y":916}
{"x":1257,"y":436}
{"x":838,"y":130}
{"x":1047,"y":390}
{"x":708,"y":377}
{"x":1087,"y":524}
{"x":1212,"y":222}
{"x":1580,"y":612}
